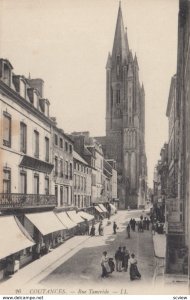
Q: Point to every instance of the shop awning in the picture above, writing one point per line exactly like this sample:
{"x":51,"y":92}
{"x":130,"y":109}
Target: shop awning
{"x":98,"y":209}
{"x":86,"y":216}
{"x":67,"y":222}
{"x":103,"y":207}
{"x":12,"y":238}
{"x":75,"y":217}
{"x":46,"y":222}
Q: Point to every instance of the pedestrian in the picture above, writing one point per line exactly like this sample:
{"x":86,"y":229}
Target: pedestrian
{"x":114,"y":227}
{"x":100,"y":229}
{"x":92,"y":231}
{"x":144,"y":223}
{"x":134,"y":272}
{"x":148,"y":223}
{"x":134,"y":224}
{"x":128,"y":229}
{"x":118,"y":259}
{"x":126,"y":257}
{"x":105,"y":265}
{"x":138,"y":226}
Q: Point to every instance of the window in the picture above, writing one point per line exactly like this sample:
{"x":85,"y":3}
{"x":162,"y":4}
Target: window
{"x":36,"y":184}
{"x":75,"y":200}
{"x":75,"y":165}
{"x":7,"y":181}
{"x":56,"y":139}
{"x":75,"y":181}
{"x":7,"y":75}
{"x":56,"y":192}
{"x":36,"y":144}
{"x":67,"y":194}
{"x":61,"y":195}
{"x":61,"y":142}
{"x":61,"y":168}
{"x":23,"y":183}
{"x":70,"y":148}
{"x":118,"y":97}
{"x":66,"y":146}
{"x":66,"y":169}
{"x":78,"y":201}
{"x":56,"y":166}
{"x":47,"y":185}
{"x":23,"y":137}
{"x":6,"y":129}
{"x":71,"y":171}
{"x":46,"y":149}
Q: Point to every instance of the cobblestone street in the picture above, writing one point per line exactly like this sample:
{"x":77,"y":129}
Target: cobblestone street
{"x":83,"y":268}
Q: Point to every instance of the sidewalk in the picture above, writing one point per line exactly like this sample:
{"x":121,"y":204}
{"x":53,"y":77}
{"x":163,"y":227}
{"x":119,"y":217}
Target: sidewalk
{"x":40,"y":268}
{"x":176,"y":281}
{"x":159,"y":241}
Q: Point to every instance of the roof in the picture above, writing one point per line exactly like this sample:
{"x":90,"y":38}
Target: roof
{"x":120,"y":44}
{"x":79,"y":158}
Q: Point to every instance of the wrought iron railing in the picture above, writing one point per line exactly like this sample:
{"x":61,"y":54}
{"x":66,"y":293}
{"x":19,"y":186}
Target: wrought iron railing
{"x":26,"y":200}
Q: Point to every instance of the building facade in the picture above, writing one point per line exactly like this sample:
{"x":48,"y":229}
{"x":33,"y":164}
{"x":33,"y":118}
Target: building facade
{"x":62,"y":154}
{"x":181,"y":228}
{"x":125,"y":120}
{"x":26,"y":158}
{"x":82,"y":182}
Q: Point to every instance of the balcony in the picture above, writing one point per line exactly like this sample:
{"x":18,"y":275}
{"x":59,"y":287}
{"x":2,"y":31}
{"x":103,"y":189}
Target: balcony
{"x":20,"y":201}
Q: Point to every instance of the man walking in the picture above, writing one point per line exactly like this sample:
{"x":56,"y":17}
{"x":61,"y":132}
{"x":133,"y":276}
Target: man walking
{"x":126,"y":257}
{"x":114,"y":227}
{"x":128,"y":229}
{"x":118,"y":259}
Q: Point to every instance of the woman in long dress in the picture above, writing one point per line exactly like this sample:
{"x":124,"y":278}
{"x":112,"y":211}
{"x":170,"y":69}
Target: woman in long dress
{"x":134,"y":272}
{"x":105,"y":265}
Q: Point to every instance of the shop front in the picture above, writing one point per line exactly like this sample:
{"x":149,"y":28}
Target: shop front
{"x":76,"y":218}
{"x":46,"y":230}
{"x":68,"y":223}
{"x":15,"y":246}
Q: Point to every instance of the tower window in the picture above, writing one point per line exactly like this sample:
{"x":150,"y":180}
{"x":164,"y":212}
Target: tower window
{"x":118,"y":97}
{"x":118,"y":65}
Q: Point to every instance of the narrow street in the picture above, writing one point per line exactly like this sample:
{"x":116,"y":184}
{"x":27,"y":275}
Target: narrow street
{"x":83,"y":268}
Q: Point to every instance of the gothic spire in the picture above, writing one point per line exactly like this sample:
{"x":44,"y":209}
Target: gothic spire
{"x":120,"y":44}
{"x":109,"y":62}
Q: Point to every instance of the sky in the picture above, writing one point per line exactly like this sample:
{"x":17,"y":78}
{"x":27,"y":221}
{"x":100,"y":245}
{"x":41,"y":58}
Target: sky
{"x":66,"y":43}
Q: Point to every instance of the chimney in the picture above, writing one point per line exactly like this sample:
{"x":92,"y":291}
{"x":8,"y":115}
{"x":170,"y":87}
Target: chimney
{"x":37,"y":84}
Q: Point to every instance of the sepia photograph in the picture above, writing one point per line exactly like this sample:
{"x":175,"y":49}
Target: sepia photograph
{"x":94,"y":147}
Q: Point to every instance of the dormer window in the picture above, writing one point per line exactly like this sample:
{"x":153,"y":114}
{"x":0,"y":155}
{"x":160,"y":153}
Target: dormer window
{"x":5,"y":71}
{"x":6,"y":75}
{"x":22,"y":89}
{"x":36,"y":104}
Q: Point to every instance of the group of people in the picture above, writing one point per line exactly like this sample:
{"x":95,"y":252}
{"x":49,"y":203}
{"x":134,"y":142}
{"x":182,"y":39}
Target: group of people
{"x":122,"y":259}
{"x":100,"y":229}
{"x":142,"y":225}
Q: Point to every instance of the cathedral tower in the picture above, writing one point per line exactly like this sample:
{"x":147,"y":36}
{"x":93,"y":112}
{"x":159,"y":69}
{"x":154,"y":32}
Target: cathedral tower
{"x":125,"y":119}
